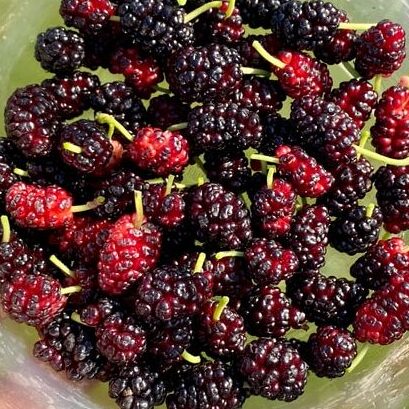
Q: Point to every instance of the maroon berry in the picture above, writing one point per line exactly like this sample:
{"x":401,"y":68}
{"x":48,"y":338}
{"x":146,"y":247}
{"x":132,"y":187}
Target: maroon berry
{"x":95,"y":313}
{"x":165,"y":110}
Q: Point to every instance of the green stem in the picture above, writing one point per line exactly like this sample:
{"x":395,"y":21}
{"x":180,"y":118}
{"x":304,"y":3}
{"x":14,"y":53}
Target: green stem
{"x":58,"y":263}
{"x":199,"y":263}
{"x":116,"y":19}
{"x":232,"y":253}
{"x":378,"y":84}
{"x":178,"y":127}
{"x":354,"y":26}
{"x":182,"y":2}
{"x":358,"y":359}
{"x":255,"y":71}
{"x":270,"y":176}
{"x":71,"y":290}
{"x":202,"y":9}
{"x":230,"y":9}
{"x":362,"y":142}
{"x":369,"y":210}
{"x":138,"y":208}
{"x":267,"y":56}
{"x":348,"y":67}
{"x":192,"y":359}
{"x":88,"y":206}
{"x":77,"y":318}
{"x":169,"y":185}
{"x":21,"y":172}
{"x":113,"y":124}
{"x":5,"y":224}
{"x":220,"y":308}
{"x":381,"y":158}
{"x":200,"y":181}
{"x":70,"y":147}
{"x":265,"y":158}
{"x":162,"y":89}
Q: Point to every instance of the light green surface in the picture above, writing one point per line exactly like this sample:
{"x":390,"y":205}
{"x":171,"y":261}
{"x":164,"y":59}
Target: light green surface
{"x":381,"y":381}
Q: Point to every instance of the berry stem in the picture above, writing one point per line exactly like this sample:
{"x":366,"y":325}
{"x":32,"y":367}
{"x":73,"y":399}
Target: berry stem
{"x":230,"y":8}
{"x":21,"y":172}
{"x":162,"y":89}
{"x":169,"y":185}
{"x":265,"y":158}
{"x":77,"y":318}
{"x":386,"y":236}
{"x":182,"y":2}
{"x":202,"y":9}
{"x":155,"y":181}
{"x":58,"y":263}
{"x":200,"y":181}
{"x":70,"y":147}
{"x":349,"y":69}
{"x":220,"y":308}
{"x":5,"y":224}
{"x":192,"y":359}
{"x":199,"y":263}
{"x":354,"y":26}
{"x":200,"y":164}
{"x":377,"y":85}
{"x":364,"y":139}
{"x":71,"y":290}
{"x":138,"y":208}
{"x":178,"y":127}
{"x":116,"y":19}
{"x":369,"y":210}
{"x":270,"y":176}
{"x":113,"y":124}
{"x":381,"y":158}
{"x":267,"y":56}
{"x":359,"y":358}
{"x":93,"y":204}
{"x":232,"y":253}
{"x":255,"y":71}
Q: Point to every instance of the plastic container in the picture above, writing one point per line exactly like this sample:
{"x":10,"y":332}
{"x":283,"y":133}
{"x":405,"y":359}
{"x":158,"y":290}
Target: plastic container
{"x":380,"y":381}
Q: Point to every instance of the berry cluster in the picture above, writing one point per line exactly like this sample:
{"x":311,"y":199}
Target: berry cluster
{"x":208,"y":214}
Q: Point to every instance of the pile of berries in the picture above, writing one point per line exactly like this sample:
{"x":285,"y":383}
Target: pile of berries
{"x":140,"y":270}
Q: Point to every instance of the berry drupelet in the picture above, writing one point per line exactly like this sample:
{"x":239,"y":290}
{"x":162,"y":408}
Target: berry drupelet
{"x":31,"y":120}
{"x":165,"y":110}
{"x":380,"y":50}
{"x":71,"y":347}
{"x":72,"y":92}
{"x":84,"y":146}
{"x":352,"y":181}
{"x":258,"y":13}
{"x":156,"y":26}
{"x":120,"y":339}
{"x":221,"y":333}
{"x":325,"y":130}
{"x":274,"y":369}
{"x":270,"y":263}
{"x":95,"y":313}
{"x":357,"y":98}
{"x":219,"y":217}
{"x":306,"y":25}
{"x":392,"y":185}
{"x":330,"y":351}
{"x":390,"y":134}
{"x":171,"y":292}
{"x":60,"y":50}
{"x":383,"y":260}
{"x":268,"y":312}
{"x":209,"y":385}
{"x":130,"y":251}
{"x":161,"y":152}
{"x":88,"y":16}
{"x":356,"y":231}
{"x":230,"y":169}
{"x":137,"y":386}
{"x":210,"y":73}
{"x":326,"y":300}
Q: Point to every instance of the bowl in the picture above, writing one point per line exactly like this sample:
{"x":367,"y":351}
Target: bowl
{"x":379,"y":381}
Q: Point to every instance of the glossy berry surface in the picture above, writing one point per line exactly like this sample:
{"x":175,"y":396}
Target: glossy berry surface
{"x":165,"y":110}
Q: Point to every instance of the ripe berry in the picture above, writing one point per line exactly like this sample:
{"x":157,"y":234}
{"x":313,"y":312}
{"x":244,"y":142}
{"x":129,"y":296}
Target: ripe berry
{"x":352,"y":182}
{"x":39,"y":208}
{"x":356,"y":231}
{"x":230,"y":169}
{"x":120,"y":339}
{"x":357,"y":98}
{"x":31,"y":120}
{"x":224,"y":336}
{"x":306,"y":175}
{"x":95,"y":313}
{"x":159,"y":296}
{"x":274,"y":369}
{"x":269,"y":263}
{"x":137,"y":386}
{"x":330,"y":351}
{"x":268,"y":312}
{"x":392,"y":185}
{"x":390,"y":134}
{"x":96,"y":149}
{"x":161,"y":152}
{"x":258,"y":13}
{"x":325,"y":130}
{"x":159,"y":28}
{"x":60,"y":50}
{"x":209,"y":385}
{"x":380,"y":50}
{"x":219,"y":217}
{"x":32,"y":299}
{"x":70,"y":347}
{"x":129,"y":252}
{"x":273,"y":207}
{"x":165,"y":110}
{"x":383,"y":260}
{"x":302,"y":75}
{"x":326,"y":300}
{"x":306,"y":25}
{"x":72,"y":92}
{"x":88,"y":16}
{"x":309,"y":236}
{"x":204,"y":74}
{"x":141,"y":73}
{"x":223,"y":126}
